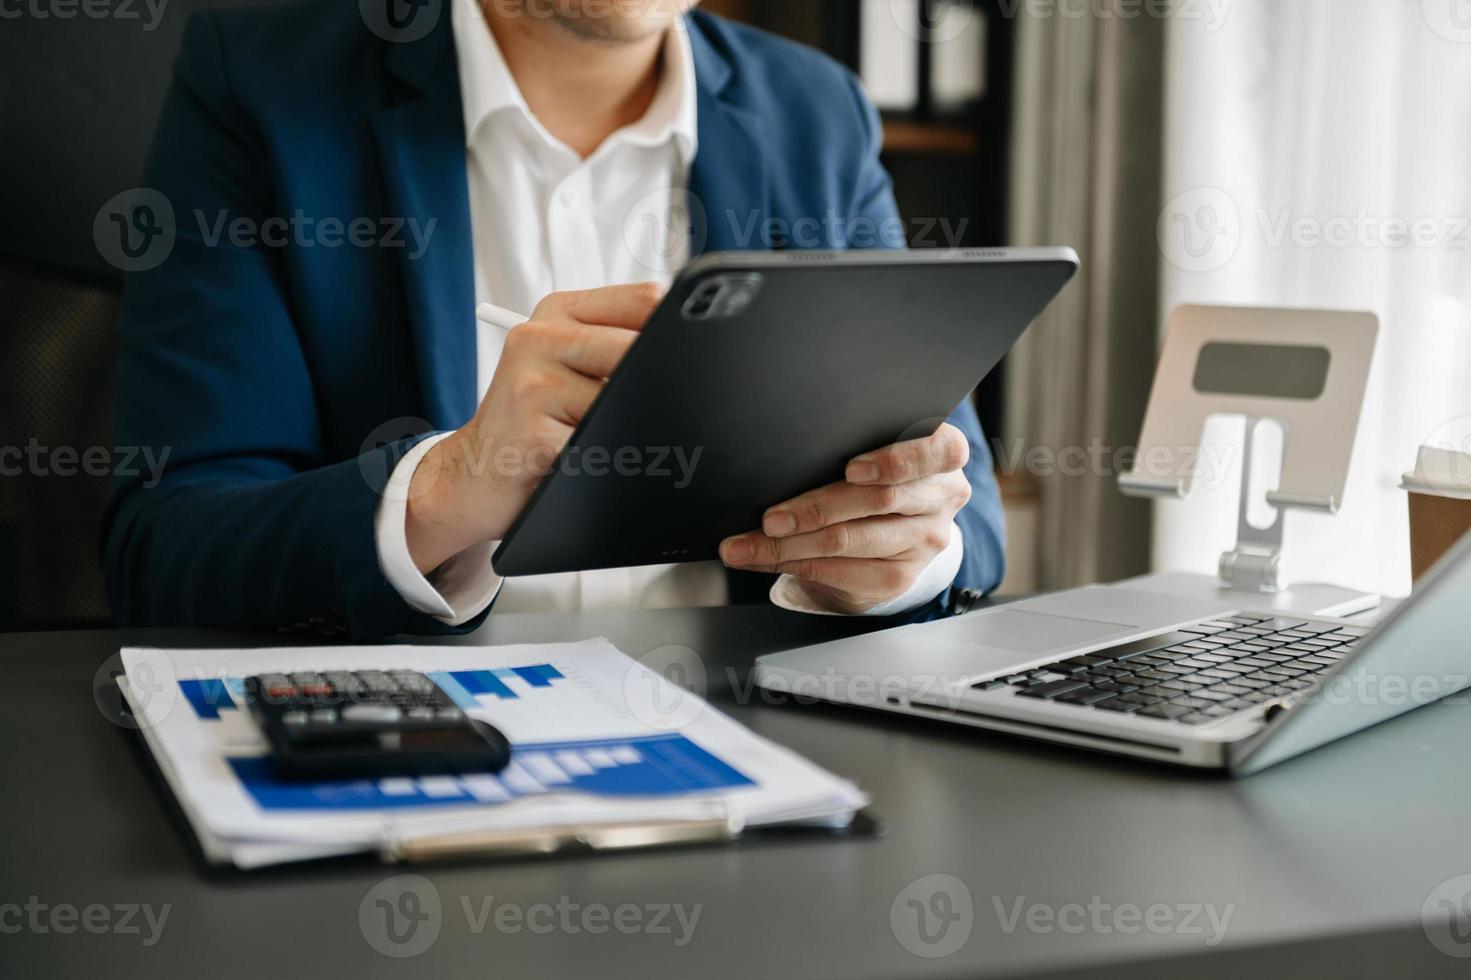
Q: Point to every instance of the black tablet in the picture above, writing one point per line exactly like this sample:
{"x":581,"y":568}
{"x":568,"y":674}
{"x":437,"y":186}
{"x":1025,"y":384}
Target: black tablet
{"x":757,"y":379}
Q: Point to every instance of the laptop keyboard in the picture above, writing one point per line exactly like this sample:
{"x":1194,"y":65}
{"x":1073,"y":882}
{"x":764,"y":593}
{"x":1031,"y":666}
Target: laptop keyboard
{"x":1196,"y":674}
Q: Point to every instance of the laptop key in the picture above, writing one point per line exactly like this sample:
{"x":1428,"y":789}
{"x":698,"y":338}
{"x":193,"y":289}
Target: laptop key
{"x":1162,"y":711}
{"x":1238,"y":670}
{"x":1140,"y":698}
{"x":1085,"y":696}
{"x":1195,"y":718}
{"x":1189,"y":702}
{"x":1147,"y":645}
{"x":1052,"y":689}
{"x":1119,"y":705}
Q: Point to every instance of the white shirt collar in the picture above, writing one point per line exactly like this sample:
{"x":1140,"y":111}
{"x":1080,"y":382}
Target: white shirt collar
{"x":487,"y":86}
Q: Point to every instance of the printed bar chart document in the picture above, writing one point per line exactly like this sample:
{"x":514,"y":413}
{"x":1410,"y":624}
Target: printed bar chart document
{"x":598,"y":740}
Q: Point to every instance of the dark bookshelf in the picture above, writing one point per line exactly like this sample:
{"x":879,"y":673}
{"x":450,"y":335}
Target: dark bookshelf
{"x":950,"y":169}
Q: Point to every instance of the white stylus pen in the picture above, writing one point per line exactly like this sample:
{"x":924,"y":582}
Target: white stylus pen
{"x":498,"y":317}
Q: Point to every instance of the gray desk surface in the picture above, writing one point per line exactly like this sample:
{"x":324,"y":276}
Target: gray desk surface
{"x":1324,"y":863}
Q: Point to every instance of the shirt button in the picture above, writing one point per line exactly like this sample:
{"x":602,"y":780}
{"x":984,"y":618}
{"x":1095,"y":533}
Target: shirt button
{"x":569,"y":197}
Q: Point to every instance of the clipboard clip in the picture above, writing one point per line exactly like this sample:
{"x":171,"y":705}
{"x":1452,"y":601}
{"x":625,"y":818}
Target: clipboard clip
{"x":554,"y":839}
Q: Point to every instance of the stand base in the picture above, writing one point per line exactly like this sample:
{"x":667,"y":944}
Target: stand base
{"x":1304,"y":599}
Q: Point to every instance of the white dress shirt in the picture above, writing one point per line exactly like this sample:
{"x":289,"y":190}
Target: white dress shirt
{"x":545,"y":220}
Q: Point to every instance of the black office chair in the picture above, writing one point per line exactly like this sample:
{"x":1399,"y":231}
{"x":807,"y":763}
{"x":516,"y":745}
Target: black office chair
{"x":79,"y":99}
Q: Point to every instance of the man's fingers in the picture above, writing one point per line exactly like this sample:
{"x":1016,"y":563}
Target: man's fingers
{"x":851,"y":576}
{"x":872,"y":537}
{"x":567,"y":395}
{"x":914,"y":459}
{"x":627,"y":306}
{"x":840,"y":502}
{"x":590,"y":351}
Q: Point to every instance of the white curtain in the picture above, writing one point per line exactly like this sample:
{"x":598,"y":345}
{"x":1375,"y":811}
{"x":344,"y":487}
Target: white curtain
{"x":1320,"y":152}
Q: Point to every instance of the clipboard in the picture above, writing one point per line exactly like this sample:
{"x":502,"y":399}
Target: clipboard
{"x":571,"y":839}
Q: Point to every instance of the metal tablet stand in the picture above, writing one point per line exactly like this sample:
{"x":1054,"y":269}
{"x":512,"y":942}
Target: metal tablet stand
{"x":1306,"y":370}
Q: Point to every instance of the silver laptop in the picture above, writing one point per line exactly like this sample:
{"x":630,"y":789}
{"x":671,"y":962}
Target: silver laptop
{"x":1128,"y":671}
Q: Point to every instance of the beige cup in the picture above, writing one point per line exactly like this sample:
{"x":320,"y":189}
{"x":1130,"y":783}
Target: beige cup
{"x":1440,"y":504}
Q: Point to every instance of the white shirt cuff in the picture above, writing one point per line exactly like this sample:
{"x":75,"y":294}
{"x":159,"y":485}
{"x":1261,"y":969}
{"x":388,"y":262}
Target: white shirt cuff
{"x":462,"y":587}
{"x":937,"y":576}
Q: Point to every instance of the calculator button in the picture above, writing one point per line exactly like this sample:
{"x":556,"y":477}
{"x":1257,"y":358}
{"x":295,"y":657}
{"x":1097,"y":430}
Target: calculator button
{"x":378,"y":714}
{"x":421,"y":714}
{"x":449,"y":714}
{"x":342,"y":681}
{"x":324,"y":716}
{"x":311,"y":684}
{"x":293,"y":718}
{"x":412,"y":682}
{"x":377,"y":682}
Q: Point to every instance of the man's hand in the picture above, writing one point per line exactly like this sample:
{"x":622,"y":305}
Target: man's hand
{"x":469,"y":488}
{"x":862,"y":542}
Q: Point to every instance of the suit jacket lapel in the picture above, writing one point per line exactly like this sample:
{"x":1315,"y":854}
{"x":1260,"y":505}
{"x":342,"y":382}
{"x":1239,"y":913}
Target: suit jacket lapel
{"x":728,"y":182}
{"x":421,"y":146}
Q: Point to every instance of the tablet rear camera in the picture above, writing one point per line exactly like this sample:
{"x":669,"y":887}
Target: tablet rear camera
{"x":722,"y":297}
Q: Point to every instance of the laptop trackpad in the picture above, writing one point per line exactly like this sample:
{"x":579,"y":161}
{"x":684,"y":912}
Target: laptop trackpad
{"x":965,"y":646}
{"x":1028,"y":632}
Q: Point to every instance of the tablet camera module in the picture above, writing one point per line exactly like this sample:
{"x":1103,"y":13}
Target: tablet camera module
{"x":722,"y":297}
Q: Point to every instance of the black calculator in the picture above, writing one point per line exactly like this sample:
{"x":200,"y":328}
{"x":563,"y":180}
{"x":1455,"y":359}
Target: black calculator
{"x":352,"y":724}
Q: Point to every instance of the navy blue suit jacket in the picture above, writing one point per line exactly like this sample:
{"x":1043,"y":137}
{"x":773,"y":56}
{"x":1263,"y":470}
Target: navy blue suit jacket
{"x":284,"y":380}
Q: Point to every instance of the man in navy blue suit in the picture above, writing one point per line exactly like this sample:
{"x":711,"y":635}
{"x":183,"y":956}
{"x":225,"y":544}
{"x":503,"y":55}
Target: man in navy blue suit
{"x":344,"y":184}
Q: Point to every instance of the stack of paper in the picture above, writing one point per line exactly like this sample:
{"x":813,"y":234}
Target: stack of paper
{"x":597,"y":739}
